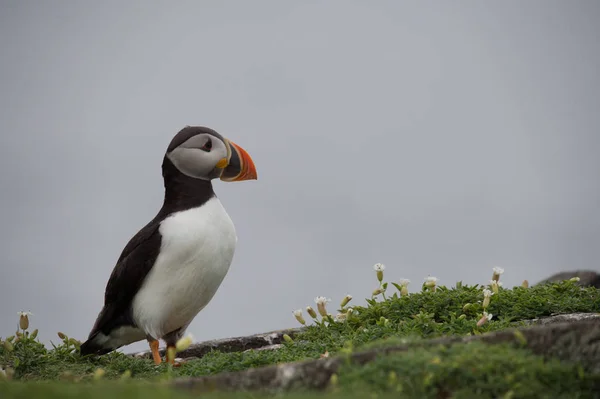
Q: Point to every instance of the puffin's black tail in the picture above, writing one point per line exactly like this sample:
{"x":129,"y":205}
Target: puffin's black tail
{"x":92,"y":347}
{"x":97,"y":343}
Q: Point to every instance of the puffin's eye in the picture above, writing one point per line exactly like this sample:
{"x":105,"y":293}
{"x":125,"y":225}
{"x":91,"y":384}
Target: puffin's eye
{"x":207,"y":146}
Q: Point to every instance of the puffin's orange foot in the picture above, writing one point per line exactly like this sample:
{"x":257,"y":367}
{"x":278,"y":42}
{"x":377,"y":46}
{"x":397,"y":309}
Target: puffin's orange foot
{"x":155,"y":354}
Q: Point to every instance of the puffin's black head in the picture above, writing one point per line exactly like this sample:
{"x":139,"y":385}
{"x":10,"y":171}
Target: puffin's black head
{"x":202,"y":153}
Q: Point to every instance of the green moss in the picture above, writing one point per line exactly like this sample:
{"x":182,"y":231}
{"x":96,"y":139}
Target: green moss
{"x":468,"y":371}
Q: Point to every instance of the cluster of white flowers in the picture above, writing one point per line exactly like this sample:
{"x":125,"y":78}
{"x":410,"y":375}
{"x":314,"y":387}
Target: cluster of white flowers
{"x":495,"y":285}
{"x":430,"y":283}
{"x":321,"y":302}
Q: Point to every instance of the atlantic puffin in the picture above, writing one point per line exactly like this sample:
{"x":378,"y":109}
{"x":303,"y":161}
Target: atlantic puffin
{"x":171,"y":269}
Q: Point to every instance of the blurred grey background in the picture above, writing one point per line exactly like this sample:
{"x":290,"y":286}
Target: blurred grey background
{"x":436,"y":137}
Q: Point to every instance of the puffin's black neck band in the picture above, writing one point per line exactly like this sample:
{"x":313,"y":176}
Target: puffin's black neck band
{"x":183,"y":192}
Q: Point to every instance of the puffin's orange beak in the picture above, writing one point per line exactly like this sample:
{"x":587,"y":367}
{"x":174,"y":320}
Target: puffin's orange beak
{"x":240,"y":167}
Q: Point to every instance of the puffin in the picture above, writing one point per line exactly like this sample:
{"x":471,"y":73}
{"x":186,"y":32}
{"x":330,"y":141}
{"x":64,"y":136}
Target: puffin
{"x":171,"y":269}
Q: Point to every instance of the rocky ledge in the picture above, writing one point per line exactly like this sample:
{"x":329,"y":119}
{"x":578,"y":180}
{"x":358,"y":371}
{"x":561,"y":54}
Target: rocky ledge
{"x":569,"y":337}
{"x":574,"y":337}
{"x":264,"y":341}
{"x":587,"y":278}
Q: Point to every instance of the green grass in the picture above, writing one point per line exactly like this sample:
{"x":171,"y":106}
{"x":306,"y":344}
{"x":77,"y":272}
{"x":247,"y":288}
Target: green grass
{"x":464,"y":370}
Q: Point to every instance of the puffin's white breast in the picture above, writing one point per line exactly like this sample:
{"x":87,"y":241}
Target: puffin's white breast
{"x":197,"y":247}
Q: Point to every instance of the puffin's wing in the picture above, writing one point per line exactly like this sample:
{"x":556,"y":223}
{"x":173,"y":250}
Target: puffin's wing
{"x":133,"y":265}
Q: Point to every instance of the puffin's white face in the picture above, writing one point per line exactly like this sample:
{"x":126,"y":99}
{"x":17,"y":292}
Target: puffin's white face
{"x":205,"y":154}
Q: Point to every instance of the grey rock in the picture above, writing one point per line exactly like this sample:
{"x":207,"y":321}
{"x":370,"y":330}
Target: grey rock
{"x":587,"y":278}
{"x":266,"y":348}
{"x":235,"y":344}
{"x":577,"y":340}
{"x":564,"y":318}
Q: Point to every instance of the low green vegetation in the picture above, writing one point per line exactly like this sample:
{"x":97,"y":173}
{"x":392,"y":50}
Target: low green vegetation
{"x":390,"y":315}
{"x":488,"y":371}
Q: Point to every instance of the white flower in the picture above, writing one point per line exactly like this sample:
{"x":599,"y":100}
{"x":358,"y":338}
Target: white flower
{"x":403,"y":282}
{"x":486,"y":317}
{"x":184,"y":343}
{"x":496,"y":276}
{"x":345,"y":301}
{"x":379,"y":267}
{"x":321,"y":300}
{"x":430,"y":283}
{"x":311,"y":312}
{"x":298,"y":316}
{"x":495,"y":284}
{"x":340,"y":317}
{"x":486,"y":298}
{"x":24,"y":313}
{"x":24,"y":319}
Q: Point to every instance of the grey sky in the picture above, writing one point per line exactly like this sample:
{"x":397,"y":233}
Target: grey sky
{"x":436,"y":137}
